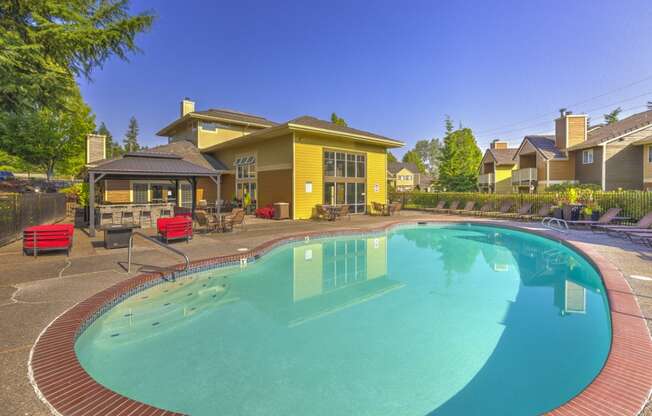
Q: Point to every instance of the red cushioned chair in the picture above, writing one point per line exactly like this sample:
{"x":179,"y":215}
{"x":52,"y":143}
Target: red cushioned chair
{"x":175,"y":228}
{"x":48,"y":238}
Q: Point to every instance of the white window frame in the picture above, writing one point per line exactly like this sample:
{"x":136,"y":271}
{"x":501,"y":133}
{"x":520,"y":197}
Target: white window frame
{"x":649,"y":154}
{"x":587,"y":156}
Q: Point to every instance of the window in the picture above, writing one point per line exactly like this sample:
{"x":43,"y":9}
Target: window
{"x":587,"y":157}
{"x":344,"y":180}
{"x":245,"y":168}
{"x":140,"y":193}
{"x":649,"y":154}
{"x":206,"y":126}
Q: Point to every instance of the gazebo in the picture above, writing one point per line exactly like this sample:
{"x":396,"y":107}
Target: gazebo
{"x":150,"y":165}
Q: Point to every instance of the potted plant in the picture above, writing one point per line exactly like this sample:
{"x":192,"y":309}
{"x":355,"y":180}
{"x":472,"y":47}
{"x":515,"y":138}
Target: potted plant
{"x":591,"y":211}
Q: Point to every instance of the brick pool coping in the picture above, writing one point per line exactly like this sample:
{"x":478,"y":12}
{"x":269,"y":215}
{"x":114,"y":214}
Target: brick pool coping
{"x":621,"y":388}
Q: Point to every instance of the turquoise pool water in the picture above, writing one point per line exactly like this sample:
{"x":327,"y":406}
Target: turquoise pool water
{"x":421,"y":320}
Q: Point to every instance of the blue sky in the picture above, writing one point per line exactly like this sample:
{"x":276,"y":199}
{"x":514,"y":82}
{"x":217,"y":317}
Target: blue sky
{"x":502,"y":68}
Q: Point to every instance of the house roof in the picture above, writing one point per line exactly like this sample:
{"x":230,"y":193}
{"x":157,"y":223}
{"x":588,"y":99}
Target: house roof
{"x":607,"y":132}
{"x":395,"y":167}
{"x":503,"y":156}
{"x":310,"y":121}
{"x":218,"y":115}
{"x":160,"y":161}
{"x":309,"y":124}
{"x":425,"y":181}
{"x":545,"y":145}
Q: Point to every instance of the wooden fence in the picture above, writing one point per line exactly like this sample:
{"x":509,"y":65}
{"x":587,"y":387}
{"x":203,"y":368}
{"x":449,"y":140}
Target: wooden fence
{"x":634,"y":204}
{"x":19,"y":211}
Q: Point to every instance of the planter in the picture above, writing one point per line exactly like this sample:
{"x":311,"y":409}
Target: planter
{"x":595,"y":215}
{"x":571,"y":212}
{"x":557,"y":212}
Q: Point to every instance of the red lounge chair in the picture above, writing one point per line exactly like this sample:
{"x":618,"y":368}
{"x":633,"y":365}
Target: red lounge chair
{"x":47,"y":238}
{"x":175,"y":228}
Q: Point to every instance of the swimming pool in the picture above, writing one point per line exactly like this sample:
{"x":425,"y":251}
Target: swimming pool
{"x":441,"y":320}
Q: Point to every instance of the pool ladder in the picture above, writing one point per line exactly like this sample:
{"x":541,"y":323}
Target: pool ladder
{"x":556,"y":224}
{"x":155,"y":241}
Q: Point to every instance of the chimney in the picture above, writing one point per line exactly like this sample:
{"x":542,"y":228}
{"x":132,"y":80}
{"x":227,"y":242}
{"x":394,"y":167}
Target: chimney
{"x":95,"y":148}
{"x":187,"y":106}
{"x":570,"y":129}
{"x":499,"y":144}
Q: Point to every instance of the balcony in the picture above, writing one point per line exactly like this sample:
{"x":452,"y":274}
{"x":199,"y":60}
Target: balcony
{"x":524,"y":176}
{"x":488,"y":179}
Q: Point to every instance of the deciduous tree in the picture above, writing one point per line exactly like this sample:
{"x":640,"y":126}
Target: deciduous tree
{"x":47,"y":138}
{"x":412,"y":156}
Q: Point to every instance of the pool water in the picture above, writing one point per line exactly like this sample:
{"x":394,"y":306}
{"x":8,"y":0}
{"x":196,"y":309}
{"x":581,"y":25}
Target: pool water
{"x":419,"y":320}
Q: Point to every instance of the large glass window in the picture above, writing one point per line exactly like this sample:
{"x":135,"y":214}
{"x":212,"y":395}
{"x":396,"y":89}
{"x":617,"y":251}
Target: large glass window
{"x":344,"y":180}
{"x":245,"y":167}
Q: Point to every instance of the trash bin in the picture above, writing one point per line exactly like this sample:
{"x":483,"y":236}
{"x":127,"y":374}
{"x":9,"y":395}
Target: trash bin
{"x":281,"y":210}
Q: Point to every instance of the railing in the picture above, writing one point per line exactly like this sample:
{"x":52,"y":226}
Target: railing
{"x":487,"y":179}
{"x":155,"y":241}
{"x":524,"y":176}
{"x":19,"y":211}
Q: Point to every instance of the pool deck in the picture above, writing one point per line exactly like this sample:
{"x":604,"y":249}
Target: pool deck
{"x":34,"y":291}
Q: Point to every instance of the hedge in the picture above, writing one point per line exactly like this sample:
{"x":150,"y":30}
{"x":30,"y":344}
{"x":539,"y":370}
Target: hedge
{"x":634,"y":204}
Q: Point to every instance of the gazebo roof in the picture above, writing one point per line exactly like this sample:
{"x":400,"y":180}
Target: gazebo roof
{"x":151,"y":164}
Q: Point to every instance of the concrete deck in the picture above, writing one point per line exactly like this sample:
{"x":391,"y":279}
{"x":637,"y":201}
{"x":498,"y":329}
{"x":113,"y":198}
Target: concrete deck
{"x":34,"y":291}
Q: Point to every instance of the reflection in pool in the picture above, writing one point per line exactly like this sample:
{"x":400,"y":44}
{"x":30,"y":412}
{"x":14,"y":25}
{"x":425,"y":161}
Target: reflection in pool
{"x":441,"y":320}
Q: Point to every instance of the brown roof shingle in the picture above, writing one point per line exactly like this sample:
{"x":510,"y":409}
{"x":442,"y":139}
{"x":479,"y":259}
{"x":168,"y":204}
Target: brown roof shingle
{"x":503,"y":156}
{"x":617,"y":129}
{"x":310,"y":121}
{"x":235,"y":116}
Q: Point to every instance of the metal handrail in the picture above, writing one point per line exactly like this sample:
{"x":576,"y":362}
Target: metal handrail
{"x":562,"y":225}
{"x":146,"y":237}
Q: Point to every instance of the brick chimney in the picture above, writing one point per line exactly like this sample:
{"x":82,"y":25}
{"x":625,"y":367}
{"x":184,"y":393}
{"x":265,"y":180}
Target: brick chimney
{"x":95,"y":148}
{"x":570,"y":129}
{"x":187,"y":106}
{"x":498,"y":144}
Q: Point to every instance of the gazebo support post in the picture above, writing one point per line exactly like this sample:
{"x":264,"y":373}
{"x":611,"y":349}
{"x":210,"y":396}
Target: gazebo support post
{"x":193,"y":182}
{"x":91,"y":204}
{"x":177,"y":197}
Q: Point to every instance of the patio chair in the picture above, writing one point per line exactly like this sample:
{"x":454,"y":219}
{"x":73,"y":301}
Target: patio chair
{"x":235,"y":220}
{"x":504,"y":208}
{"x":643,"y":237}
{"x":206,"y":222}
{"x":484,"y":208}
{"x":323,"y":213}
{"x":467,"y":208}
{"x":379,"y":209}
{"x":606,"y":218}
{"x":343,"y":211}
{"x":543,"y":212}
{"x":394,"y":208}
{"x":523,"y":210}
{"x":641,"y":225}
{"x":451,"y":207}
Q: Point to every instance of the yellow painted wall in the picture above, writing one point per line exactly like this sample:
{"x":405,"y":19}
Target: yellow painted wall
{"x":503,"y":177}
{"x":404,"y":183}
{"x":647,"y":165}
{"x":308,"y":167}
{"x":207,"y":138}
{"x":272,"y":154}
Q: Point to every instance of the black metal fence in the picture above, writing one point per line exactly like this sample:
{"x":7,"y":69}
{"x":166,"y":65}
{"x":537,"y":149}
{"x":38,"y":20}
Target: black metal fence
{"x":634,"y":204}
{"x":19,"y":211}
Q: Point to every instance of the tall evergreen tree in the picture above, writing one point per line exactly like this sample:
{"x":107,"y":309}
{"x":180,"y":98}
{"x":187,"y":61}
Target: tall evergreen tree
{"x":613,"y":116}
{"x":113,"y":149}
{"x":391,"y":157}
{"x":131,"y":136}
{"x":459,"y":159}
{"x":337,"y":120}
{"x":45,"y":44}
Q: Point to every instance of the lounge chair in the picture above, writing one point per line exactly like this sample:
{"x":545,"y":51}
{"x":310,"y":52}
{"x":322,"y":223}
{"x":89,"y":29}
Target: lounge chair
{"x":606,"y":218}
{"x":616,"y":229}
{"x":379,"y":209}
{"x":644,"y":237}
{"x":523,"y":210}
{"x":485,"y":208}
{"x":440,"y":205}
{"x":543,"y":212}
{"x":451,"y":207}
{"x":207,"y":222}
{"x":504,"y":208}
{"x":467,"y":208}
